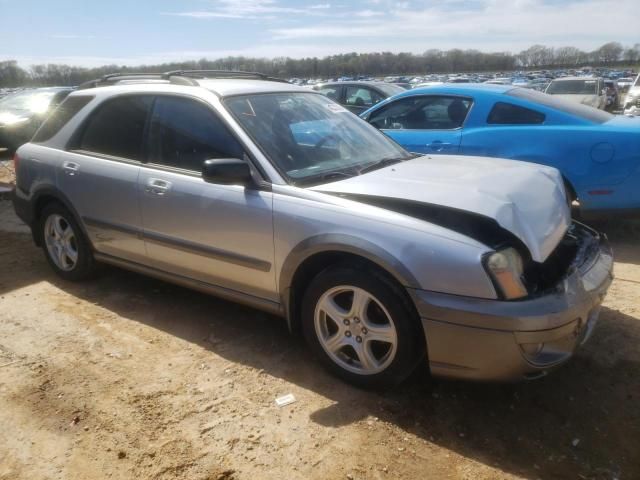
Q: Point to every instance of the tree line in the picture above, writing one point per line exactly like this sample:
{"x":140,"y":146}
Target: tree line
{"x":376,"y":64}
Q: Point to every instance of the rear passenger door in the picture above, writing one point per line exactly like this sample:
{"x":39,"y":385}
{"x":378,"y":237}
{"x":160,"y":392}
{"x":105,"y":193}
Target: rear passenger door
{"x":99,"y":174}
{"x":425,"y":123}
{"x":221,"y":235}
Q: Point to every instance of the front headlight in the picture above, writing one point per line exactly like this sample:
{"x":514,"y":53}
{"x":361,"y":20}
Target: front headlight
{"x":506,"y":269}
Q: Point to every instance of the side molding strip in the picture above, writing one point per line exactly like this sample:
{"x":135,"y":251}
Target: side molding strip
{"x":183,"y":245}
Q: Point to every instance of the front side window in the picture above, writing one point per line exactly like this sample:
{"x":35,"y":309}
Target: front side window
{"x":431,"y":112}
{"x":184,"y":133}
{"x":311,"y":139}
{"x":361,"y":97}
{"x":116,"y":128}
{"x":508,"y":114}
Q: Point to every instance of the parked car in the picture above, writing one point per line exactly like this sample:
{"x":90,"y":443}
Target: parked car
{"x":22,"y":113}
{"x":597,"y":153}
{"x":585,"y":90}
{"x":358,"y":96}
{"x":611,"y":91}
{"x":632,"y":100}
{"x":275,"y":196}
{"x":625,"y":83}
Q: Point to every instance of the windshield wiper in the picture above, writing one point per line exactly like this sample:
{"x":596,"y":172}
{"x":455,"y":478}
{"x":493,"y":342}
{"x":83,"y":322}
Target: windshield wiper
{"x":318,"y":179}
{"x":385,"y":162}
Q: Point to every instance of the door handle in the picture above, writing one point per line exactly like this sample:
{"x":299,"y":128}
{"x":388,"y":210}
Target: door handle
{"x":156,"y":186}
{"x":438,"y":145}
{"x":70,"y":168}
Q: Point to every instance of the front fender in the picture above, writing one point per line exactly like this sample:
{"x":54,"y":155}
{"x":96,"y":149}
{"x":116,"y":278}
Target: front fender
{"x":336,"y":242}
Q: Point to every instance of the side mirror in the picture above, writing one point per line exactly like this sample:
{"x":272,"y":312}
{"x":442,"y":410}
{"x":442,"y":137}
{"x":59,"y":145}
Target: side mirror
{"x":227,"y":171}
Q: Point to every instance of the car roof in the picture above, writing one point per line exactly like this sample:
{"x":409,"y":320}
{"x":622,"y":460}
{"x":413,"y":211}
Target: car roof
{"x":562,"y":79}
{"x":225,"y":87}
{"x":222,"y":87}
{"x":460,"y":89}
{"x":356,"y":82}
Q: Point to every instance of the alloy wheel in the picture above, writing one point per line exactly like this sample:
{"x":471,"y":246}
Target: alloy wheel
{"x":355,"y":330}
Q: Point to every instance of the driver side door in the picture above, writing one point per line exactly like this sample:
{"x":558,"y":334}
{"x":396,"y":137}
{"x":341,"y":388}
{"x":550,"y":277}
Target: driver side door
{"x":424,"y":124}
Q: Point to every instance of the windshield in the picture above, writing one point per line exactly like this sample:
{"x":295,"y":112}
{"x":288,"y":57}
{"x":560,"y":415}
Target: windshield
{"x":311,"y":138}
{"x":565,"y":106}
{"x":30,"y":101}
{"x":573,"y":87}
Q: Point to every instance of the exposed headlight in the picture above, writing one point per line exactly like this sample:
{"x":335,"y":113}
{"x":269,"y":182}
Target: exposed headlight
{"x":506,"y":270}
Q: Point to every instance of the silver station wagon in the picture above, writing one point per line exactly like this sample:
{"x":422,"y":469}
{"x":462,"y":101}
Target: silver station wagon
{"x":275,"y":196}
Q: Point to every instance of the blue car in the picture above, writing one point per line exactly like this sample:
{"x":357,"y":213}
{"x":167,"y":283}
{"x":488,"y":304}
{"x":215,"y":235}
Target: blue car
{"x":597,"y":153}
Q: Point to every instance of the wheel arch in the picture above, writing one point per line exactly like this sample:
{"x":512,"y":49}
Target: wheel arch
{"x":44,"y":197}
{"x":315,"y":254}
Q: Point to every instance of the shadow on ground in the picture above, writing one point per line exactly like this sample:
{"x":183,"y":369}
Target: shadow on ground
{"x":580,"y":422}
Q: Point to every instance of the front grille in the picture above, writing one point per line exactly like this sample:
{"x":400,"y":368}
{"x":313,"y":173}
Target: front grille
{"x":578,"y":250}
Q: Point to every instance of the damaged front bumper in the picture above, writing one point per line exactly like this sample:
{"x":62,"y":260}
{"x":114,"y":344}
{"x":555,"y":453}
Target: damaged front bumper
{"x":480,"y":339}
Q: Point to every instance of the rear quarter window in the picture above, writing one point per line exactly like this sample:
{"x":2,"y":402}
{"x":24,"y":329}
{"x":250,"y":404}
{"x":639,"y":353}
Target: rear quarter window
{"x":574,"y":109}
{"x":60,"y":117}
{"x":504,"y":113}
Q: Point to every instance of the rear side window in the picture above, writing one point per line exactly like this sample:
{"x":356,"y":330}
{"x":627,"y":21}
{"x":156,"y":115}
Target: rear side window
{"x":565,"y":106}
{"x":509,"y":114}
{"x":117,"y":127}
{"x":60,"y":117}
{"x":184,"y":133}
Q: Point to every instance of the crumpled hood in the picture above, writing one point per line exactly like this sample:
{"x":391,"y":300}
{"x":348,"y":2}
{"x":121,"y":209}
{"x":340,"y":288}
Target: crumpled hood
{"x":590,"y":100}
{"x":524,"y":198}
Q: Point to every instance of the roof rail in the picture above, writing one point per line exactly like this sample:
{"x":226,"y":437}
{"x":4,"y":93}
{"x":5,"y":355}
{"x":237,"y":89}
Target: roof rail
{"x":181,"y":77}
{"x":223,"y":74}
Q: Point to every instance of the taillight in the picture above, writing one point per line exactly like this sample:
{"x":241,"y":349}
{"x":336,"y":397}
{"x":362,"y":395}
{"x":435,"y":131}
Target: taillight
{"x":16,"y":162}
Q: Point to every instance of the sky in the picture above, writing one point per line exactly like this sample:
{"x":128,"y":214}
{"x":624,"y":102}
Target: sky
{"x":134,"y":32}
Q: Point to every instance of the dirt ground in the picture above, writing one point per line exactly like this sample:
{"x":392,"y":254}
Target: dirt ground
{"x":127,"y":377}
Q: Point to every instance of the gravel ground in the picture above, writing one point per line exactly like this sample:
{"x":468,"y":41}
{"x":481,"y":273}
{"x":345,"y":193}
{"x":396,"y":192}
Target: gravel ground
{"x":127,"y":377}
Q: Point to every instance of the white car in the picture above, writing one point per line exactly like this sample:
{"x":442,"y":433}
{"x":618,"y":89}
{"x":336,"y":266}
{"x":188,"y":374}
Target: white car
{"x":588,"y":91}
{"x":632,"y":100}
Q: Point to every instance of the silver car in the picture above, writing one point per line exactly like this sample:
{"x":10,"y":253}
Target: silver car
{"x":632,"y":100}
{"x":588,"y":91}
{"x":273,"y":195}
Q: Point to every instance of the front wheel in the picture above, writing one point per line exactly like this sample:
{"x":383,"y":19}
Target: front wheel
{"x":362,"y":327}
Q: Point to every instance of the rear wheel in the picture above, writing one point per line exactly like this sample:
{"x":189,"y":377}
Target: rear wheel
{"x":362,"y":327}
{"x":64,"y":244}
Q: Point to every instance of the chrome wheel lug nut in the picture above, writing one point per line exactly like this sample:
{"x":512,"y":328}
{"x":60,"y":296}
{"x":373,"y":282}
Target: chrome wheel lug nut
{"x":359,"y":339}
{"x":357,"y":320}
{"x":347,"y":333}
{"x":364,"y":331}
{"x":346,"y":321}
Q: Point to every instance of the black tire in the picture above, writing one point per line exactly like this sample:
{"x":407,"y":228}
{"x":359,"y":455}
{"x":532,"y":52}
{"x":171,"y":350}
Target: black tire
{"x":410,"y":349}
{"x":85,"y":265}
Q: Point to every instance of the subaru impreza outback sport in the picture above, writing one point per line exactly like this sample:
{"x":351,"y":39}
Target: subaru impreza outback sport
{"x":272,"y":195}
